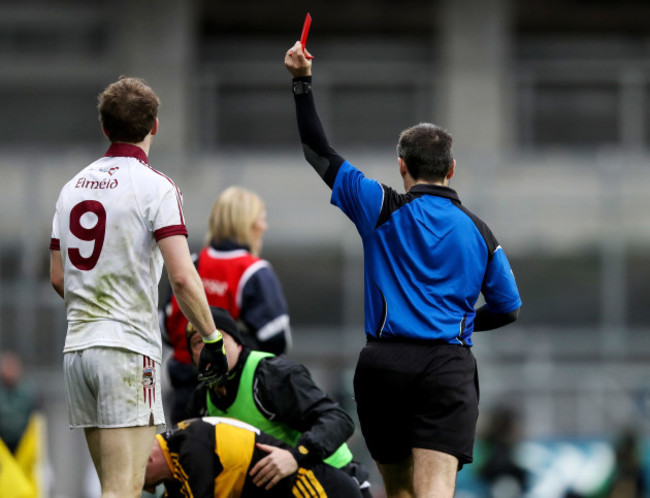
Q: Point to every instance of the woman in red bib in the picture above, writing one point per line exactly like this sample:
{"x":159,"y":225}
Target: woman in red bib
{"x":237,"y":279}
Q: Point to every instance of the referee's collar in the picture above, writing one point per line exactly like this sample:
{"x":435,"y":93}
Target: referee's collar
{"x":120,"y":149}
{"x":437,"y":190}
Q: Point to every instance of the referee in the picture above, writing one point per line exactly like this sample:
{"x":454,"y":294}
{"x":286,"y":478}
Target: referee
{"x":427,"y":259}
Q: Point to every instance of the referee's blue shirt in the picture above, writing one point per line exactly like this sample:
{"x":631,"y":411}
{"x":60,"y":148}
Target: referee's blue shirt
{"x":426,"y":260}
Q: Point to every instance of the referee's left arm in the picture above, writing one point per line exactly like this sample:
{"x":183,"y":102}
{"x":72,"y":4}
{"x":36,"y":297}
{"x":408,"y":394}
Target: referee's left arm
{"x":316,"y":147}
{"x":486,"y":320}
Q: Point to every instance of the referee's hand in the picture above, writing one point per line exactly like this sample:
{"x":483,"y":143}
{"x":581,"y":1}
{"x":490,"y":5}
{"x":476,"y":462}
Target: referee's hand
{"x":296,"y":62}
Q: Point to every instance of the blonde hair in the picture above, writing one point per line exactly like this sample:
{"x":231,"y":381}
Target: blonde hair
{"x":232,"y":217}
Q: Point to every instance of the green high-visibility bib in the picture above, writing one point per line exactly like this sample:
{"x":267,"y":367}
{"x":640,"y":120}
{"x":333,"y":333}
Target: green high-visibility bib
{"x":245,"y":409}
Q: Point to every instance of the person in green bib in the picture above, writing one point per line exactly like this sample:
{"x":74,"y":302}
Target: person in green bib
{"x":278,"y":396}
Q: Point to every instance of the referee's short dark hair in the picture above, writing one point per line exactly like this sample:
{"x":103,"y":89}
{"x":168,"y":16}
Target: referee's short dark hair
{"x":427,"y":151}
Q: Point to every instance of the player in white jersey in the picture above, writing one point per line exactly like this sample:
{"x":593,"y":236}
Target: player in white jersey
{"x":116,"y":223}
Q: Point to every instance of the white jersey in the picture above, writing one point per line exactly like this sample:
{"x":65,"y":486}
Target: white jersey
{"x":108,"y":220}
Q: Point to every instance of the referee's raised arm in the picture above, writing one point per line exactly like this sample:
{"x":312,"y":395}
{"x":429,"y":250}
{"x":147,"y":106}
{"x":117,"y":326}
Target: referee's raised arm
{"x":316,"y":147}
{"x":427,"y":259}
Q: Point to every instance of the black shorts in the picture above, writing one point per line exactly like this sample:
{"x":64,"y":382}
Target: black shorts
{"x":417,"y":395}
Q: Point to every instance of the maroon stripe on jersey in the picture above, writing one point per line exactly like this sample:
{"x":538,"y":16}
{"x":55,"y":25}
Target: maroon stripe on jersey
{"x":55,"y":245}
{"x":144,"y":365}
{"x":179,"y":196}
{"x":179,"y":201}
{"x":169,"y":231}
{"x":127,"y":150}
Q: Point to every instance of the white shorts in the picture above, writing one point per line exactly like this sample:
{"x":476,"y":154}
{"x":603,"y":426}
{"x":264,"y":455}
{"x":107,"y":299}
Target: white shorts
{"x":110,"y":387}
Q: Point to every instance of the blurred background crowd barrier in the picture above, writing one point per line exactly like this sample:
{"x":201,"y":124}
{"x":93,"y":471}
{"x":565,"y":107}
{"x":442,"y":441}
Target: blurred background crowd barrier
{"x":549,"y":105}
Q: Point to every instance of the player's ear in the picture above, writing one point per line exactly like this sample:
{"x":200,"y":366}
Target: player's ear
{"x":403,"y":170}
{"x":452,"y":170}
{"x":105,"y":133}
{"x":154,"y":130}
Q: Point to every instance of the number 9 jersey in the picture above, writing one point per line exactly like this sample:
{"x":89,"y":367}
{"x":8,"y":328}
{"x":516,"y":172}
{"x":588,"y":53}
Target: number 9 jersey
{"x":108,"y":220}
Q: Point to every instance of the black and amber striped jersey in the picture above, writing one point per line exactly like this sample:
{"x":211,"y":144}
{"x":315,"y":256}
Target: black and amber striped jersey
{"x":212,"y":457}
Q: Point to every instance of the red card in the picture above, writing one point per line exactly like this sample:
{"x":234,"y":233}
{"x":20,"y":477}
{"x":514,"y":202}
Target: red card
{"x":305,"y":33}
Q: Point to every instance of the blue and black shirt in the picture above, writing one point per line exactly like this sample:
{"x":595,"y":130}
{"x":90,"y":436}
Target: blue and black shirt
{"x":427,"y":258}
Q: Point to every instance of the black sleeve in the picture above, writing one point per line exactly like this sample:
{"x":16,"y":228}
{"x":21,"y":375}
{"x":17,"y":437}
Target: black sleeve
{"x":286,"y":393}
{"x":200,"y":471}
{"x":197,"y":406}
{"x":486,"y":320}
{"x":315,"y":145}
{"x":162,"y":312}
{"x":265,"y":312}
{"x":198,"y":463}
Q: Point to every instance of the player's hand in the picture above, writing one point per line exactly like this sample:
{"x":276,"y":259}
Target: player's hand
{"x":296,"y":62}
{"x":277,"y":465}
{"x":213,"y":364}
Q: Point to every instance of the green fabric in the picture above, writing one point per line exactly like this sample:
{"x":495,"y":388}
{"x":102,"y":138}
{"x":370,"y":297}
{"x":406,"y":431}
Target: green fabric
{"x":16,"y":405}
{"x":244,"y":409}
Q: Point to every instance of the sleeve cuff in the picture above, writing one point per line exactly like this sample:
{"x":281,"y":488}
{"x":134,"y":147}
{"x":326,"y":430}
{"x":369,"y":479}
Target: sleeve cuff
{"x":169,"y":231}
{"x":303,"y":456}
{"x":301,"y":85}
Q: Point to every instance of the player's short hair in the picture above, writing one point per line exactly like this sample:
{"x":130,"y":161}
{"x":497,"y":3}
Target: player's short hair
{"x":128,"y":109}
{"x":427,"y":151}
{"x":232,"y":217}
